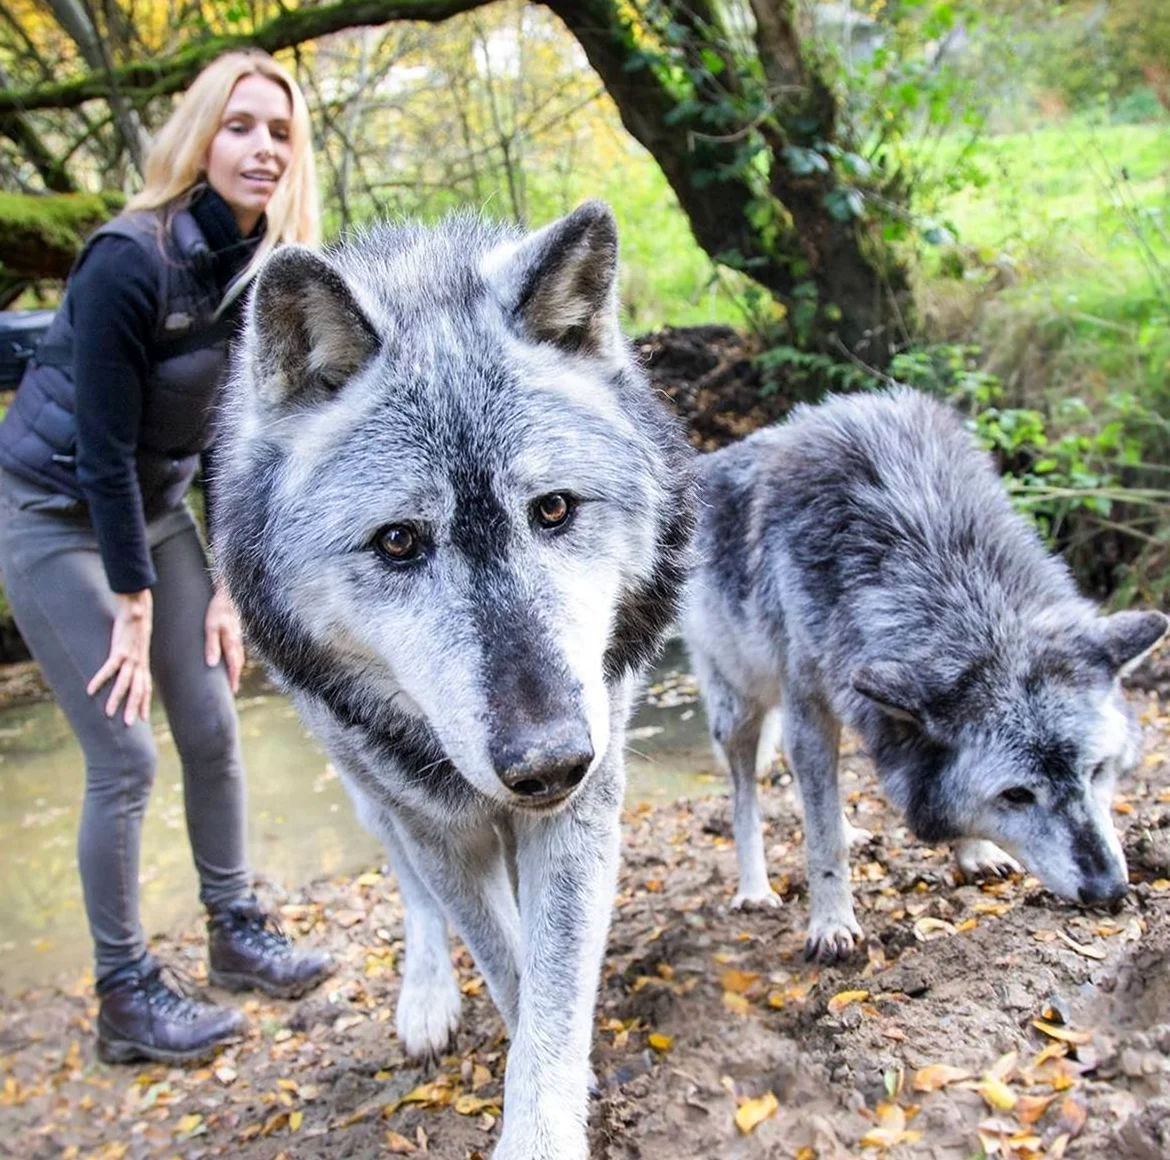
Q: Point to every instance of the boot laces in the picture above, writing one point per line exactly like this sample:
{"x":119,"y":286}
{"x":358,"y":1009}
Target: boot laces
{"x":168,"y":997}
{"x":262,"y":932}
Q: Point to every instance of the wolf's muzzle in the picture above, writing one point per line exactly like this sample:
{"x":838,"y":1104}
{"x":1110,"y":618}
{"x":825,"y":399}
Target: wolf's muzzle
{"x":543,"y":766}
{"x":1102,"y":891}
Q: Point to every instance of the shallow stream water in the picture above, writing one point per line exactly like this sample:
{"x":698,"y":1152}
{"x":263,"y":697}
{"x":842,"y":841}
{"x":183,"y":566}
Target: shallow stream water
{"x":301,"y":825}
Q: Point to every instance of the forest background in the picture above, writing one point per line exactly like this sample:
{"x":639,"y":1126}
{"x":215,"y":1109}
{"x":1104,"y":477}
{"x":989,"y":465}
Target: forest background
{"x":972,"y":196}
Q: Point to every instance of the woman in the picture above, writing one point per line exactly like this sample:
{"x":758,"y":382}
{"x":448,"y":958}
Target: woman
{"x":101,"y":559}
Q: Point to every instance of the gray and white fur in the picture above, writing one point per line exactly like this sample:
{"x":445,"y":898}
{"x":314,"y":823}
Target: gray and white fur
{"x":455,"y":521}
{"x":861,"y":565}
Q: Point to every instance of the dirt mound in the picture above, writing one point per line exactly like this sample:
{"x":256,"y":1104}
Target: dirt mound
{"x":708,"y":374}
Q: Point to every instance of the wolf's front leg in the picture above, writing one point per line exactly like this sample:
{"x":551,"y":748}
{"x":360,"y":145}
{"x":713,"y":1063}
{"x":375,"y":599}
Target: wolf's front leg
{"x":464,"y":871}
{"x":568,"y":874}
{"x":811,"y":738}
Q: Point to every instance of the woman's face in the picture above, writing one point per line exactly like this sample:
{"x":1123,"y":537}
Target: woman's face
{"x":252,"y":148}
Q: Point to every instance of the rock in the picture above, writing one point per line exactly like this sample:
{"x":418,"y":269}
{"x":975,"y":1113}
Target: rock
{"x":1146,"y":1135}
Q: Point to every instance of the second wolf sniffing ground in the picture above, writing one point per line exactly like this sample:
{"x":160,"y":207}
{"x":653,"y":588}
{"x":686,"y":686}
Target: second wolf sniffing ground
{"x":861,"y":565}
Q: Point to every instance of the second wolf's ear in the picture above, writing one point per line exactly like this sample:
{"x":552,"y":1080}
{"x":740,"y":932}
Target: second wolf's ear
{"x":893,"y":688}
{"x":560,"y":284}
{"x":1128,"y":636}
{"x":307,"y":334}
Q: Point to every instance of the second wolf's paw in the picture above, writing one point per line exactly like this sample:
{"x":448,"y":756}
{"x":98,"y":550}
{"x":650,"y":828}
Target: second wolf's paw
{"x":831,"y":940}
{"x":855,"y":835}
{"x":428,"y":1016}
{"x":766,"y":899}
{"x":978,"y":858}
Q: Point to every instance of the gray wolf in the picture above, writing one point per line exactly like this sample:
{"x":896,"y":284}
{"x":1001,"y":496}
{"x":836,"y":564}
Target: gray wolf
{"x":861,"y":565}
{"x":456,"y":520}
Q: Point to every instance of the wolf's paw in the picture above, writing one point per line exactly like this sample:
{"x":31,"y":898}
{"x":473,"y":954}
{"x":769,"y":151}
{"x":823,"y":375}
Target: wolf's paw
{"x":831,"y":940}
{"x":978,"y":858}
{"x":428,"y":1016}
{"x":855,"y":835}
{"x":523,"y":1144}
{"x":766,"y":899}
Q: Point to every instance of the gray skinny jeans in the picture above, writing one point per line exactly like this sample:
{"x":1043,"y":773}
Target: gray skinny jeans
{"x":63,"y":606}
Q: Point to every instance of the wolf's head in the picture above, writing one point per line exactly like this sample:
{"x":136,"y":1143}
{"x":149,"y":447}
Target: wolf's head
{"x":1023,"y":746}
{"x":450,"y":505}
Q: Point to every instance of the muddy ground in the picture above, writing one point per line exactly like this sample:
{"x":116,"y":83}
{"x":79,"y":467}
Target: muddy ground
{"x":704,"y":1014}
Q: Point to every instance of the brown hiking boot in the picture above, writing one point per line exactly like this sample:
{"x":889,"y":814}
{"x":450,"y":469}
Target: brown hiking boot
{"x":143,"y":1017}
{"x":249,"y":951}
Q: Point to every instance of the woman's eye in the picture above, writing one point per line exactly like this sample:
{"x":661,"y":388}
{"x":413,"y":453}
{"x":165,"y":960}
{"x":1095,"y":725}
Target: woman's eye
{"x":1018,"y":795}
{"x":281,"y":134}
{"x":552,"y":510}
{"x":398,"y":543}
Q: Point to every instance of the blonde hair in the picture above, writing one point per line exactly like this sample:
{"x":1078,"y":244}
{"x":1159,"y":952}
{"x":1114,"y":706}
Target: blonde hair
{"x":176,"y":159}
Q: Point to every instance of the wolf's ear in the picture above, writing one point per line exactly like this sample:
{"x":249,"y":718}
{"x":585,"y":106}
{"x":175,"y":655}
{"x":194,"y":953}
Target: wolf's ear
{"x":308,"y":333}
{"x":560,"y":284}
{"x":1128,"y":636}
{"x":893,"y":688}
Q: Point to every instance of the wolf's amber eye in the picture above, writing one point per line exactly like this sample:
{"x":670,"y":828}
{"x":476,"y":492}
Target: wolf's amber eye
{"x":1018,"y":795}
{"x":398,"y":542}
{"x":552,"y":510}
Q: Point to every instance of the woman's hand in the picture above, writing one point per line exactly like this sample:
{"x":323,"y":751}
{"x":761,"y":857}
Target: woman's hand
{"x":224,"y":638}
{"x":129,"y":659}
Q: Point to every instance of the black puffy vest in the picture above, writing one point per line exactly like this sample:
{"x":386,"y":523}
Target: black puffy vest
{"x":38,"y":438}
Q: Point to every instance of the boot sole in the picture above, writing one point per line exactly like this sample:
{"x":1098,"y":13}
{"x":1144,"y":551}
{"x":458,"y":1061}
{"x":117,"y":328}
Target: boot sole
{"x":233,"y":981}
{"x":128,"y":1051}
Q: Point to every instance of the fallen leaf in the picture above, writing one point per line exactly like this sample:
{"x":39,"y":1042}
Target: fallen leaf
{"x":1073,"y":1115}
{"x":1088,"y":952}
{"x":660,"y":1043}
{"x":1030,"y":1108}
{"x":996,"y":1093}
{"x":739,"y":981}
{"x":842,"y":999}
{"x":469,"y":1105}
{"x":399,"y":1145}
{"x":937,"y":1075}
{"x":751,"y":1113}
{"x":890,"y":1129}
{"x":926,"y":928}
{"x":1064,"y":1034}
{"x":736,"y":1003}
{"x":294,"y":1121}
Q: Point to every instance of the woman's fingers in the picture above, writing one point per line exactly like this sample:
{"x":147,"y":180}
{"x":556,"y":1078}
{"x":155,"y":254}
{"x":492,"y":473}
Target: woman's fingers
{"x":120,"y":689}
{"x":138,"y":701}
{"x":233,"y":655}
{"x":111,"y":666}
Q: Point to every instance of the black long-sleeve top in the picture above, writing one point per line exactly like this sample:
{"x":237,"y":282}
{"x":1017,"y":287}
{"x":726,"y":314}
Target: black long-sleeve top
{"x":114,"y":303}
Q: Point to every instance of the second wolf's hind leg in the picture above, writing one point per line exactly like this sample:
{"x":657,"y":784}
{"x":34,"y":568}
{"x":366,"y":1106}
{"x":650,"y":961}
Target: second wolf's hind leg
{"x":735,"y":734}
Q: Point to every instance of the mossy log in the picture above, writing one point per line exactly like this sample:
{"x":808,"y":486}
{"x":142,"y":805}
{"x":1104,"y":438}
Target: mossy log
{"x":40,"y":235}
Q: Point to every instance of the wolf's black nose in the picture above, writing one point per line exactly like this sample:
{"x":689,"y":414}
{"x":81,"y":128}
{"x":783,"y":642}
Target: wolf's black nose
{"x":545,"y":771}
{"x":1103,"y":891}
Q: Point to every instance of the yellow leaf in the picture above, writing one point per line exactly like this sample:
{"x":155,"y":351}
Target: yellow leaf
{"x":1004,"y":1067}
{"x":468,"y":1105}
{"x":188,"y":1124}
{"x":736,"y":1003}
{"x":1064,"y":1034}
{"x":294,"y":1121}
{"x":937,"y":1075}
{"x":751,"y":1113}
{"x":399,"y":1145}
{"x":997,"y":1093}
{"x":842,"y":999}
{"x":660,"y":1043}
{"x":739,"y":981}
